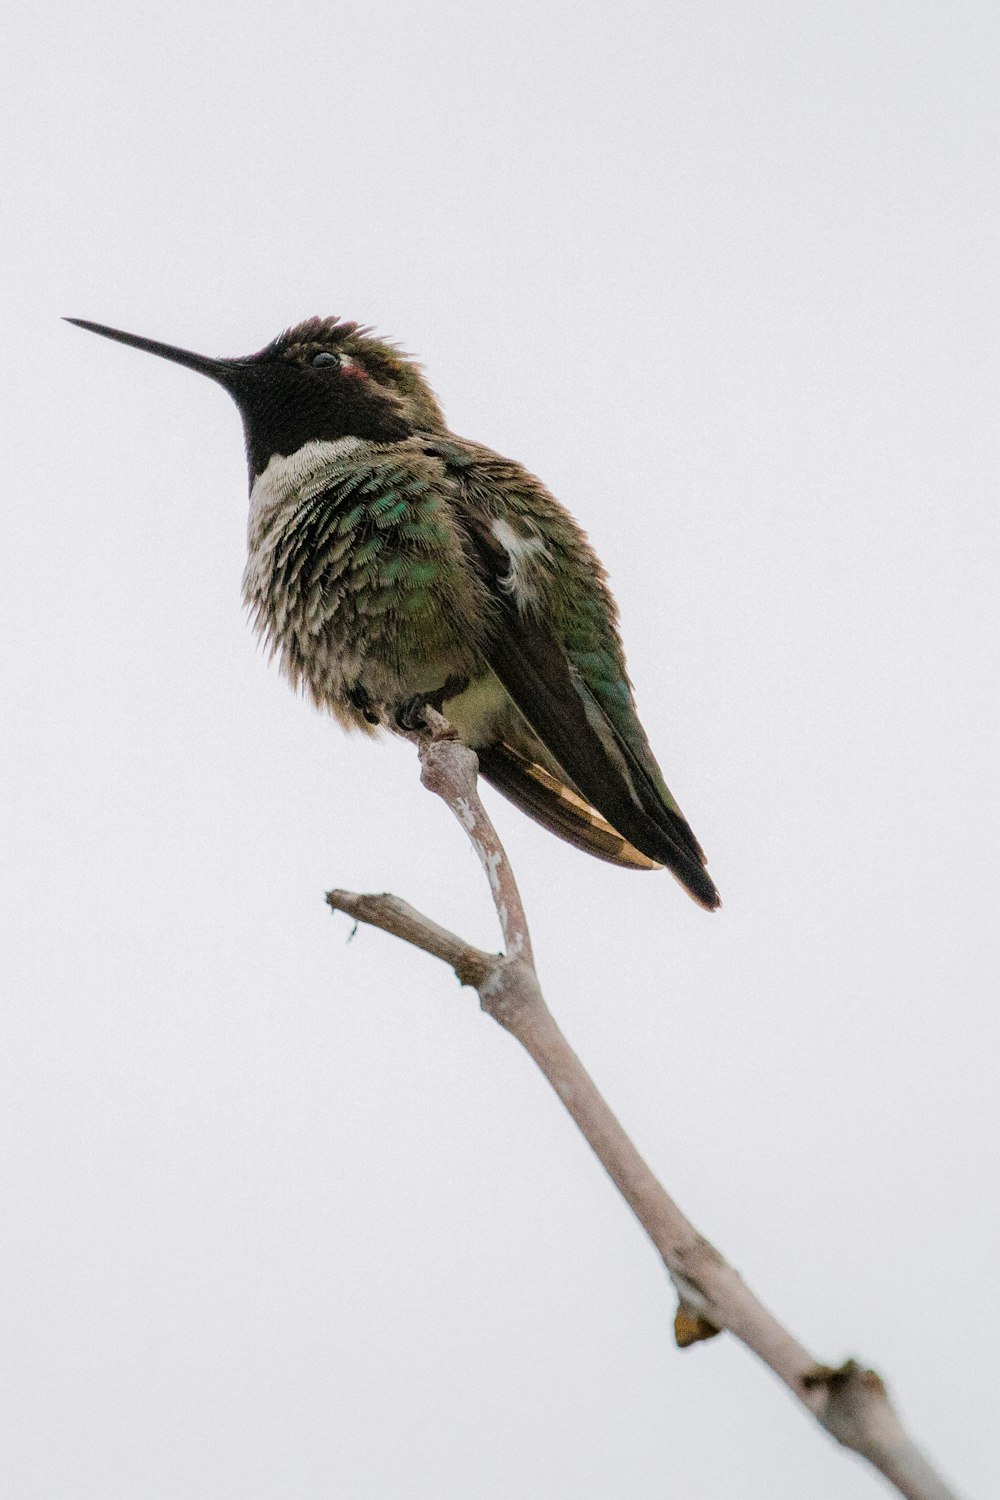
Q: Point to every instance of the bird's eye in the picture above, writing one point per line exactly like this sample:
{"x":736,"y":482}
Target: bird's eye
{"x":326,"y":359}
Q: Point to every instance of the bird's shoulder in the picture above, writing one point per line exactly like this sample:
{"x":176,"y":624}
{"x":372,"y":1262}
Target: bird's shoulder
{"x":510,"y":510}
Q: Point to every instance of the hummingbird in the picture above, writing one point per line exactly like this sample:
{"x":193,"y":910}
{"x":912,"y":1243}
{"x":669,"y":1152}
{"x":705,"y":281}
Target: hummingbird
{"x":394,"y":566}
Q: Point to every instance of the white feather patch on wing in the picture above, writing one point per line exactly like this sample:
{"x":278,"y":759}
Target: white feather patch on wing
{"x":525,"y":554}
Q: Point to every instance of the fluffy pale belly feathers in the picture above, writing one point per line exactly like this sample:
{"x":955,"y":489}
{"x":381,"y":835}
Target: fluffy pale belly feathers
{"x":357,"y":582}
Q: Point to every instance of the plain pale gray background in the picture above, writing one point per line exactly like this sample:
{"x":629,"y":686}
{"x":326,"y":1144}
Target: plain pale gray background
{"x":285,"y":1216}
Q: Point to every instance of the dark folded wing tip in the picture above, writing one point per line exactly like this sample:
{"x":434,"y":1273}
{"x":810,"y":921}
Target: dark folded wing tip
{"x":703,"y":889}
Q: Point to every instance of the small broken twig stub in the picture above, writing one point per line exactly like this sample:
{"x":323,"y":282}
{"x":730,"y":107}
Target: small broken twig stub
{"x":851,"y":1403}
{"x":404,"y":921}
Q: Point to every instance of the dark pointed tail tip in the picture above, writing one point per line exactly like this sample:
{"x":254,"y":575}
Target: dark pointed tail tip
{"x":704,"y":892}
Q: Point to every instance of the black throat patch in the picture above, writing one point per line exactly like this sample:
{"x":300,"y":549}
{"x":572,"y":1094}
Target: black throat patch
{"x":286,"y":405}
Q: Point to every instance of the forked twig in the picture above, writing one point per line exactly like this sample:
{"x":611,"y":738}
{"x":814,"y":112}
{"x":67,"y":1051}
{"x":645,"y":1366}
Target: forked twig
{"x":849,"y":1401}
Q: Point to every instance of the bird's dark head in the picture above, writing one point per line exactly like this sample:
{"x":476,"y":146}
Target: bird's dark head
{"x":323,"y":379}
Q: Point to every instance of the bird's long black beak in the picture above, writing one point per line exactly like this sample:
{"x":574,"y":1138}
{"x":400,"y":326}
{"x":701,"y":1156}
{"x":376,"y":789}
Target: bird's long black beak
{"x":225,"y":371}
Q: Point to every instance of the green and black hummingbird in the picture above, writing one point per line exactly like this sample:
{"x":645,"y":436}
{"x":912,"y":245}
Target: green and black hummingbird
{"x":393,"y":565}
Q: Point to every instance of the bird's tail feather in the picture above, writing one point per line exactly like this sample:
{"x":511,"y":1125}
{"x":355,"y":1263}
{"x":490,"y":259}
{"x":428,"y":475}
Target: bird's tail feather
{"x":557,"y":807}
{"x":549,"y":801}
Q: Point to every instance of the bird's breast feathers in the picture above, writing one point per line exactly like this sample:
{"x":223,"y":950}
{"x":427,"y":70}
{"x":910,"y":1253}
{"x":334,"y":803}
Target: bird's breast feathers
{"x":358,"y":575}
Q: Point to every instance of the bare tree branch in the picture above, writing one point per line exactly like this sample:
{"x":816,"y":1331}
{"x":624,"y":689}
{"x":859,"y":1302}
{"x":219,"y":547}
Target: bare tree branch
{"x":850,"y":1402}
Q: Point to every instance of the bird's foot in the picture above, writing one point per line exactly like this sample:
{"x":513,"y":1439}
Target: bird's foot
{"x":410,"y":717}
{"x":358,"y":698}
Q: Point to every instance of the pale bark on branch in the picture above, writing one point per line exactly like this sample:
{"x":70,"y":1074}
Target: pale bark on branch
{"x":849,"y":1401}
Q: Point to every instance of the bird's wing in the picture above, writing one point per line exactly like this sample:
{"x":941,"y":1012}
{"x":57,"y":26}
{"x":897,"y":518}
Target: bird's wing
{"x":565,"y":671}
